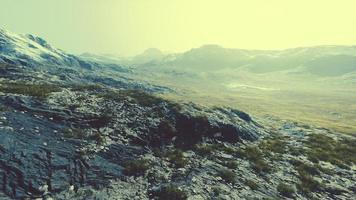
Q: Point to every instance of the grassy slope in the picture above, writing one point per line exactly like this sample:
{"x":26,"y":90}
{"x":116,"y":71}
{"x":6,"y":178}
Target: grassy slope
{"x":327,"y":103}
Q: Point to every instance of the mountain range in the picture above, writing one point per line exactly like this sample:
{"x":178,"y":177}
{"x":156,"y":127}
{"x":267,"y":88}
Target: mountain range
{"x":318,"y":60}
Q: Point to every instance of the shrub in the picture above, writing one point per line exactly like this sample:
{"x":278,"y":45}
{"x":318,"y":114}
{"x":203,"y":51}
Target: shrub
{"x":167,"y":129}
{"x":75,"y":133}
{"x":217,"y":190}
{"x":255,"y":156}
{"x":252,"y":184}
{"x":231,"y":164}
{"x":98,"y":138}
{"x":306,"y":172}
{"x":204,"y":150}
{"x":171,"y":192}
{"x":308,"y":184}
{"x":208,"y":149}
{"x":101,"y":120}
{"x":157,"y":152}
{"x":3,"y":108}
{"x":261,"y":166}
{"x":285,"y":190}
{"x":135,"y":167}
{"x":276,"y":145}
{"x":296,"y":151}
{"x":307,"y":169}
{"x":176,"y":157}
{"x":227,"y":175}
{"x":227,"y":150}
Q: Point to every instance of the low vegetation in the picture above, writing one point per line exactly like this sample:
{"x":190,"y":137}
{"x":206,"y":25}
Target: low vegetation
{"x":136,"y":167}
{"x":40,"y":91}
{"x":275,"y":145}
{"x":101,"y":120}
{"x":285,"y":190}
{"x":217,"y":190}
{"x":176,"y":157}
{"x":324,"y":148}
{"x":306,"y":173}
{"x":98,"y":138}
{"x":140,"y":97}
{"x":228,"y":175}
{"x":171,"y":192}
{"x":231,"y":164}
{"x":88,"y":87}
{"x":252,"y":184}
{"x":75,"y":133}
{"x":204,"y":150}
{"x":256,"y":158}
{"x":207,"y":149}
{"x":3,"y":108}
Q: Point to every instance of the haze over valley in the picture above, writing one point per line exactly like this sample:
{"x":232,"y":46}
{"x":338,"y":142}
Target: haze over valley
{"x":230,"y":100}
{"x":304,"y":84}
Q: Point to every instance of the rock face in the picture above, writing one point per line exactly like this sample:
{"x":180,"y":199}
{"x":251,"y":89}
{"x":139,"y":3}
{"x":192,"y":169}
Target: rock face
{"x":68,"y":132}
{"x":80,"y":139}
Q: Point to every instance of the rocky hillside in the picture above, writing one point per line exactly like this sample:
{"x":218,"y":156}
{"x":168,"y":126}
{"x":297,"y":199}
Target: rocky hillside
{"x":71,"y":133}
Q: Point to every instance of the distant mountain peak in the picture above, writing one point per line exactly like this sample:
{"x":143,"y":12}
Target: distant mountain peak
{"x":150,"y":54}
{"x":152,"y":50}
{"x":211,"y":46}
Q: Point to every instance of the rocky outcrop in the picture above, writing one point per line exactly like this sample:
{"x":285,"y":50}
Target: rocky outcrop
{"x":78,"y":139}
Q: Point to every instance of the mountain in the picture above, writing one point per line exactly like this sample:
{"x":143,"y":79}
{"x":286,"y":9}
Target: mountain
{"x":29,"y":50}
{"x":32,"y":55}
{"x":149,"y":55}
{"x":100,"y":130}
{"x":319,"y":60}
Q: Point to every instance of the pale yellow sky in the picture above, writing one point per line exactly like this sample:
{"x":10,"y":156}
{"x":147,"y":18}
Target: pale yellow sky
{"x":128,"y":27}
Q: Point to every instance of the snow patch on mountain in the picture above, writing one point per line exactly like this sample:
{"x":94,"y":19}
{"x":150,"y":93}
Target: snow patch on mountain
{"x":29,"y":50}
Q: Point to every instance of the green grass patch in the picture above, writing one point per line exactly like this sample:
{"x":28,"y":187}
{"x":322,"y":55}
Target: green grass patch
{"x":40,"y":91}
{"x":84,"y":87}
{"x":139,"y":97}
{"x":324,"y":148}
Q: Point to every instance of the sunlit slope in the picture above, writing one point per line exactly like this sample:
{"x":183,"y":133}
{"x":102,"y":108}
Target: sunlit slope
{"x":314,"y":84}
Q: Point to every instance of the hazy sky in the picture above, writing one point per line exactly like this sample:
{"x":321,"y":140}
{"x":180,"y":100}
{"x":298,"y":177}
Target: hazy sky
{"x":128,"y":27}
